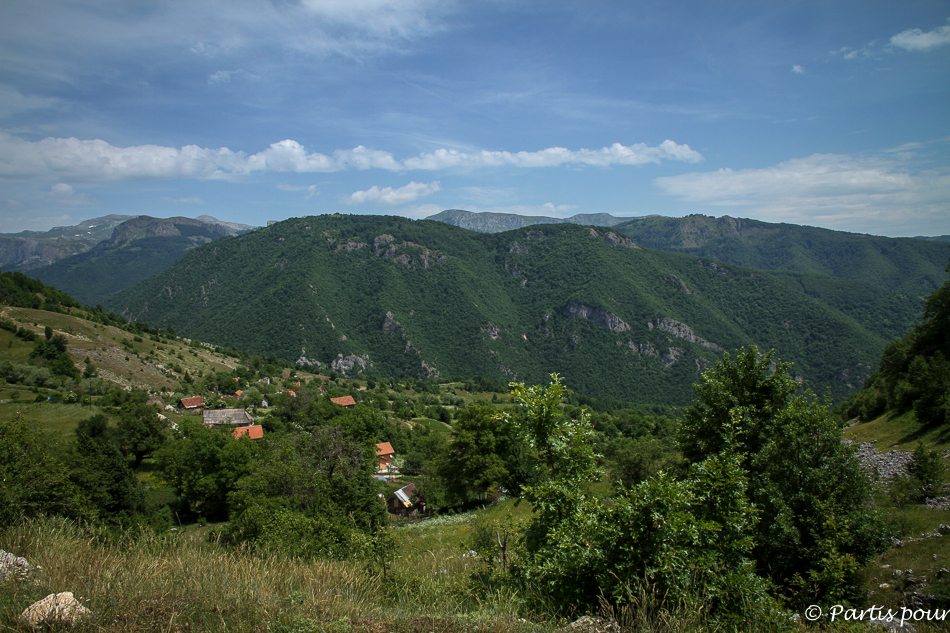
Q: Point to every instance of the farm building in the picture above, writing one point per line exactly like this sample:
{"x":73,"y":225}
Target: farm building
{"x":237,"y":417}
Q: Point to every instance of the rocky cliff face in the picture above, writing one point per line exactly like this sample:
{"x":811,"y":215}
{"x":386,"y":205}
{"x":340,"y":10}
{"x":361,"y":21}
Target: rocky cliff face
{"x":681,"y":330}
{"x":601,"y":317}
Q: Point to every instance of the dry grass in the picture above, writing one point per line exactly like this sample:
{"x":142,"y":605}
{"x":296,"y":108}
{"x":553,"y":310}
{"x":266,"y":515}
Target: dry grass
{"x":145,"y":582}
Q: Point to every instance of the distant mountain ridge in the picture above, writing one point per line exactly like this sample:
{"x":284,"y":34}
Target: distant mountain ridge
{"x":487,"y":222}
{"x":26,"y":250}
{"x":390,"y":296}
{"x":901,"y":264}
{"x":138,"y":248}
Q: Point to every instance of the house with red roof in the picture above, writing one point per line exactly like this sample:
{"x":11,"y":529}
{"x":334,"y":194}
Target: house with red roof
{"x":344,"y":401}
{"x":194,"y":402}
{"x":254,"y":432}
{"x":385,"y":458}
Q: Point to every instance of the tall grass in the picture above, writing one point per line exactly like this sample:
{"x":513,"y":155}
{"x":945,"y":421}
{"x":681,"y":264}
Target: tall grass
{"x":145,"y":582}
{"x":142,"y":582}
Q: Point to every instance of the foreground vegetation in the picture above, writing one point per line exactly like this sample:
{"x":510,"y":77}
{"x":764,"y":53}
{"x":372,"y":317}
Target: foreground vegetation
{"x":738,"y":516}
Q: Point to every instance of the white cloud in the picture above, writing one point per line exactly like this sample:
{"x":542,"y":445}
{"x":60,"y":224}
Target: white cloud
{"x":75,"y":160}
{"x":836,"y":191}
{"x":616,"y":154}
{"x":191,"y":200}
{"x":798,"y":70}
{"x":918,"y":40}
{"x":399,"y":18}
{"x":312,"y":190}
{"x":403,"y":195}
{"x":64,"y":194}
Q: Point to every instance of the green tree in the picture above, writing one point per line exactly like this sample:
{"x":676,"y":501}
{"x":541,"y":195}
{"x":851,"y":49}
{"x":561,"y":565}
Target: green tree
{"x":309,"y":494}
{"x":632,"y":461}
{"x":103,"y":472}
{"x":686,"y":541}
{"x":140,"y":431}
{"x":566,"y":455}
{"x":924,"y":477}
{"x":203,"y":466}
{"x":487,"y":453}
{"x":816,"y":528}
{"x":33,"y":481}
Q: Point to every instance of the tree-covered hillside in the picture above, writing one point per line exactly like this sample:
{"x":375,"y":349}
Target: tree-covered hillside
{"x":390,"y":296}
{"x":905,"y":265}
{"x":914,"y":370}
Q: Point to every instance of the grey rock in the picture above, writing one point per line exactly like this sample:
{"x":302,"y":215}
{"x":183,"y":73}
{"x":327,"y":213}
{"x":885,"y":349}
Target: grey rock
{"x":13,"y":566}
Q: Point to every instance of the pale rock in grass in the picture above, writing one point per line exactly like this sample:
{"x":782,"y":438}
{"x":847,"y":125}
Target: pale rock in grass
{"x":56,"y":608}
{"x":13,"y":566}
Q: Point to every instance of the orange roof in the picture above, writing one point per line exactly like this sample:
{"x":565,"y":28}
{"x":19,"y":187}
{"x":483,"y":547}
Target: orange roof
{"x":192,"y":402}
{"x":344,"y":401}
{"x":384,"y":448}
{"x":254,"y":432}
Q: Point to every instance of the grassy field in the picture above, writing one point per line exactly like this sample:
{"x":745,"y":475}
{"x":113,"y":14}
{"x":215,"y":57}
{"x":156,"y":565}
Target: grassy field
{"x":901,"y":432}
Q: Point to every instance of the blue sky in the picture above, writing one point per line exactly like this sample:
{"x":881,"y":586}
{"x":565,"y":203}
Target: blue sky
{"x":828,"y":113}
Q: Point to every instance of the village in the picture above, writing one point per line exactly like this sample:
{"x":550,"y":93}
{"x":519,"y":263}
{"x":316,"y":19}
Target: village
{"x":404,"y":502}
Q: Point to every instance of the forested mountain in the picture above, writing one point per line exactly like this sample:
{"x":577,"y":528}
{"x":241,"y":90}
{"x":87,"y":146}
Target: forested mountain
{"x":487,"y":222}
{"x":914,"y":370}
{"x":906,"y":265}
{"x":902,"y":264}
{"x":138,"y":248}
{"x":391,"y":296}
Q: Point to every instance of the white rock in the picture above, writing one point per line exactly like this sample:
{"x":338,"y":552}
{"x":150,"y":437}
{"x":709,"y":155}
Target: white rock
{"x":56,"y":608}
{"x":13,"y":566}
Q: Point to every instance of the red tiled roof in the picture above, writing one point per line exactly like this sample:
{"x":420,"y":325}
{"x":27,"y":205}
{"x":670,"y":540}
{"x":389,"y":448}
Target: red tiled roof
{"x":254,"y":432}
{"x":384,"y":448}
{"x":192,"y":402}
{"x":344,"y":401}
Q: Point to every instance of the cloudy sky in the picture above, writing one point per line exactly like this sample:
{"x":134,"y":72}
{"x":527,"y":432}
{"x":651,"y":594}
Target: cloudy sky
{"x":832,"y":113}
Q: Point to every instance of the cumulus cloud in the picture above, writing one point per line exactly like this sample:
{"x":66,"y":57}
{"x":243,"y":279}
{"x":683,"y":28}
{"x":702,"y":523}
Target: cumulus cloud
{"x":918,"y":40}
{"x":826,"y":189}
{"x":798,"y":70}
{"x":75,"y":160}
{"x":403,"y":195}
{"x":616,"y":154}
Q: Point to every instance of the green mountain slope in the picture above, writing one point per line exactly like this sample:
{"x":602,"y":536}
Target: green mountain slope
{"x":137,"y":249}
{"x":387,"y":295}
{"x":904,"y":265}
